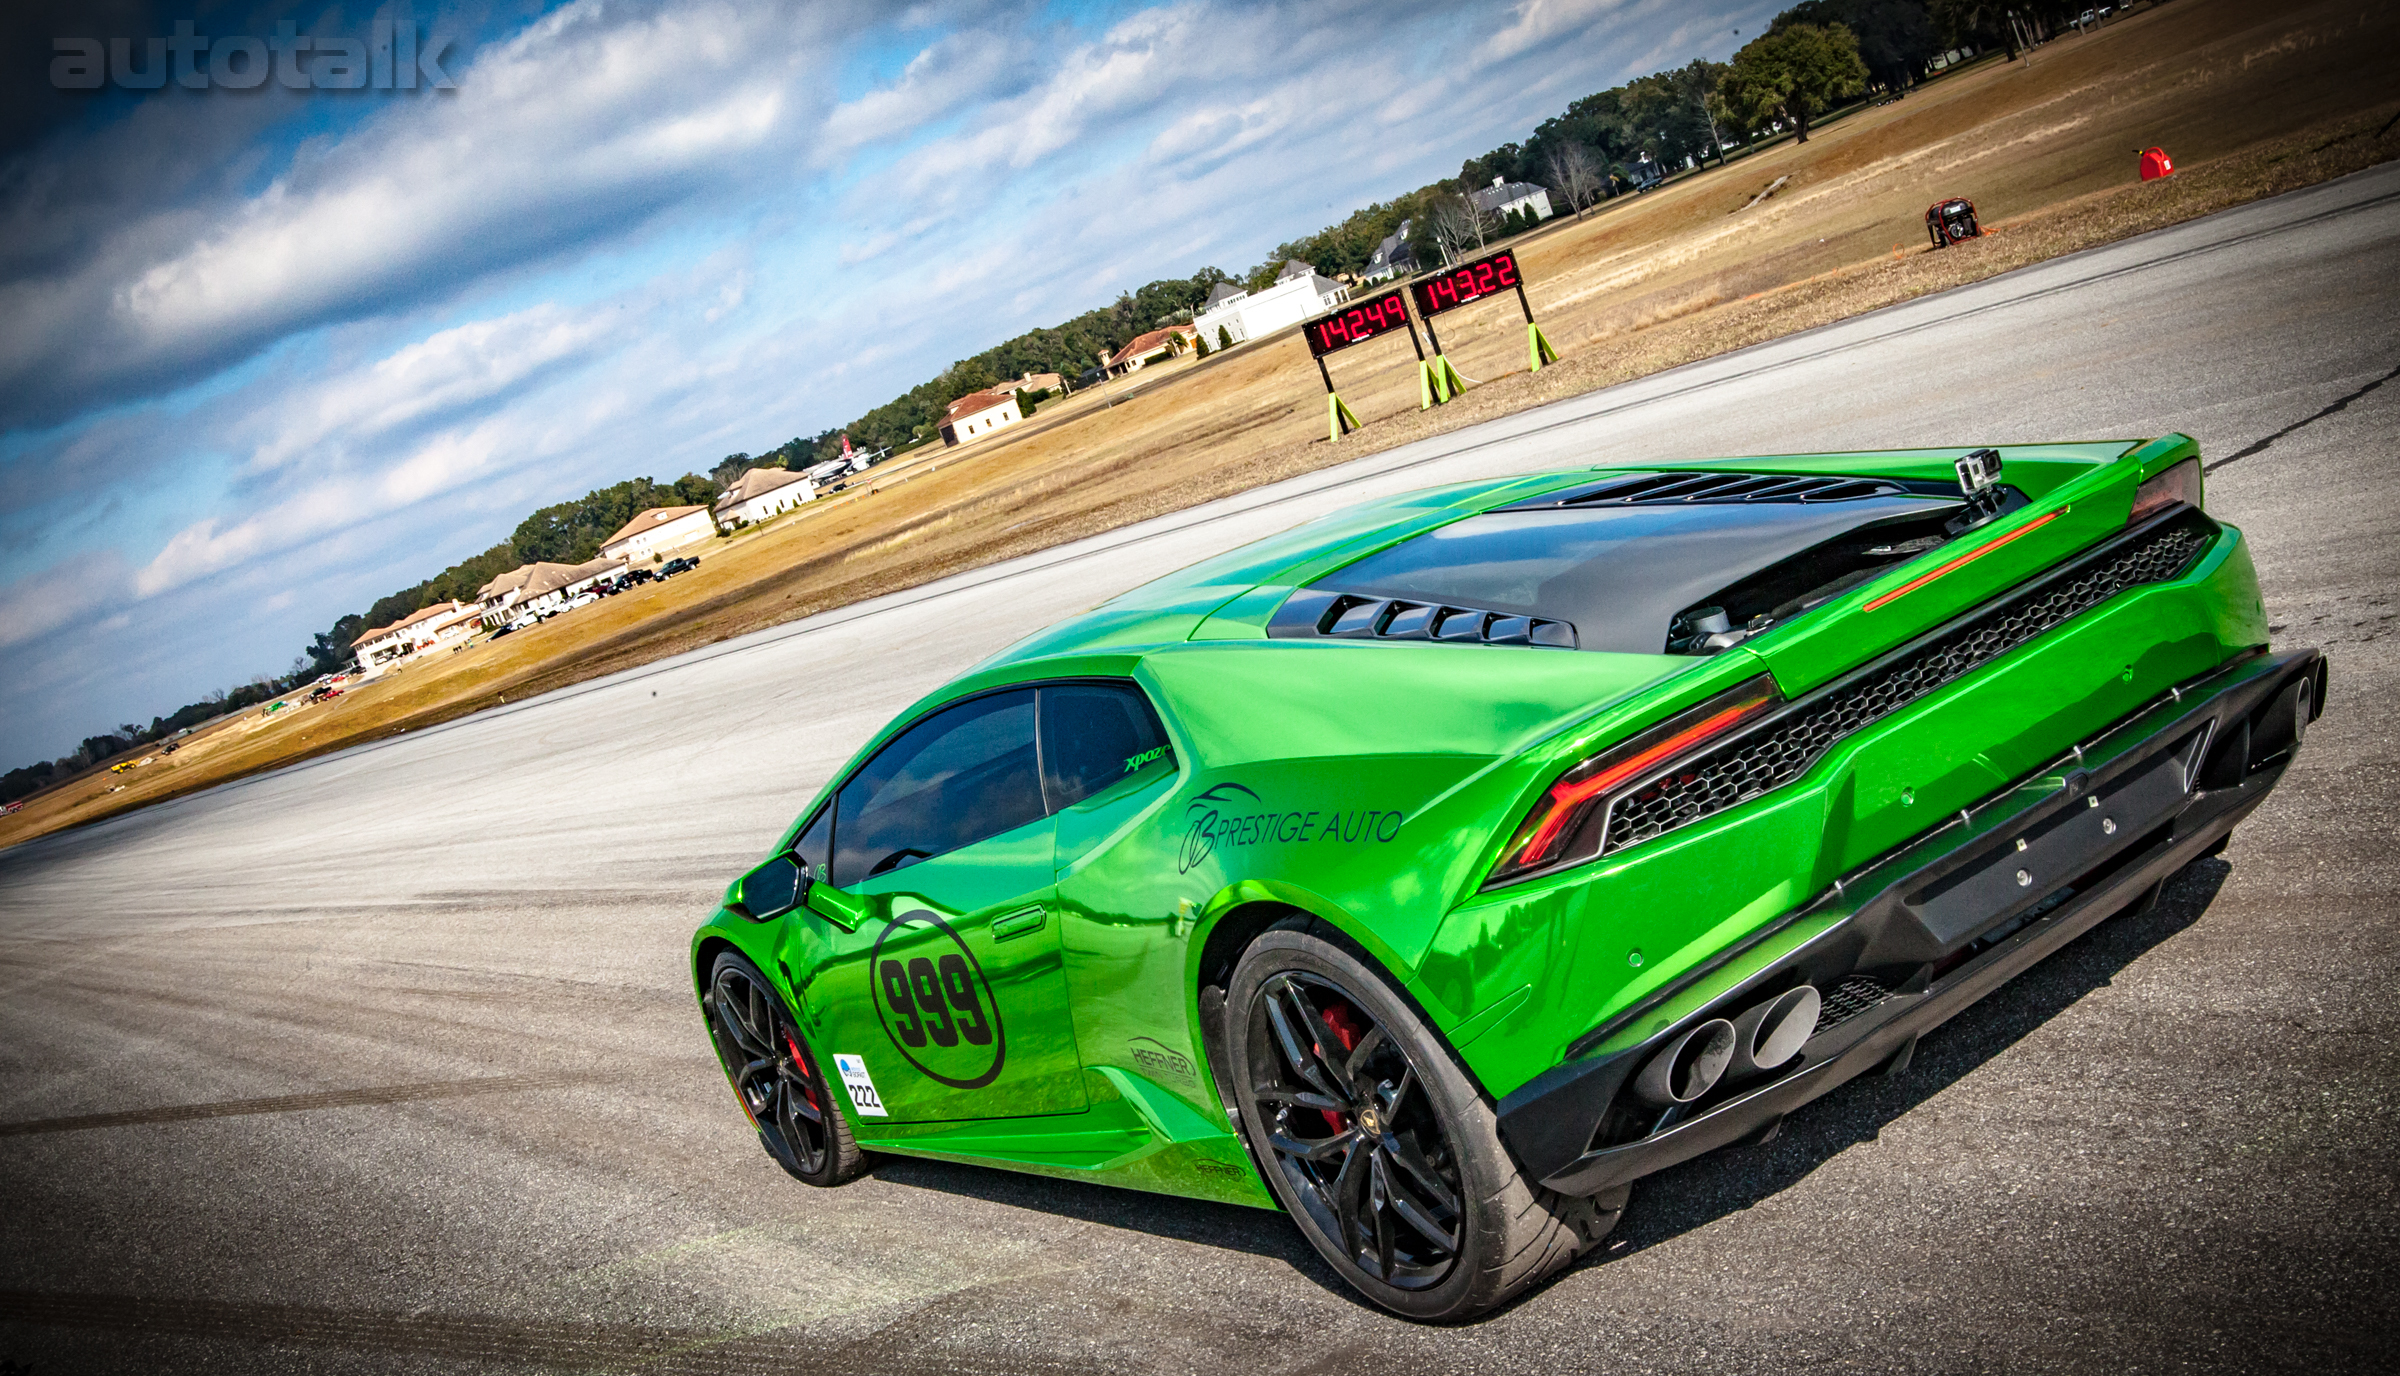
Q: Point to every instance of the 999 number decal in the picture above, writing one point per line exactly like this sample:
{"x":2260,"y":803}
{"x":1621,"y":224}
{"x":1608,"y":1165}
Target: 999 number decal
{"x":922,"y":995}
{"x":935,"y":1003}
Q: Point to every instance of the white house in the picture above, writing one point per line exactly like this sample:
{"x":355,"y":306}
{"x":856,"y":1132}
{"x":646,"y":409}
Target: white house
{"x":538,"y":589}
{"x":422,"y":629}
{"x":657,"y":530}
{"x":1298,"y":293}
{"x":1394,"y":257}
{"x":1503,"y":196}
{"x":1153,"y":347}
{"x":760,"y":493}
{"x":978,"y":414}
{"x":1035,"y":382}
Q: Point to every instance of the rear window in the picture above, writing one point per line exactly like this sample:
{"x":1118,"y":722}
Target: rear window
{"x":1094,"y":734}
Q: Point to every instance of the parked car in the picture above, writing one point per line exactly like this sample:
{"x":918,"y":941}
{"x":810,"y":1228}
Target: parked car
{"x":1710,"y":789}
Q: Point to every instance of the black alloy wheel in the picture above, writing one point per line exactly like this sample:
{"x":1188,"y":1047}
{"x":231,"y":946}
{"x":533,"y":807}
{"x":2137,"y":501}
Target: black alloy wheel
{"x":777,"y":1081}
{"x":1377,"y":1141}
{"x":1353,"y":1133}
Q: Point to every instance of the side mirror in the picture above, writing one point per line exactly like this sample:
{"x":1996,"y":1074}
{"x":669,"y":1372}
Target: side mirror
{"x":770,"y":891}
{"x":845,"y":910}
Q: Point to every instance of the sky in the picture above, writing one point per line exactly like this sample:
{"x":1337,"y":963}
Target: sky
{"x":268,"y":354}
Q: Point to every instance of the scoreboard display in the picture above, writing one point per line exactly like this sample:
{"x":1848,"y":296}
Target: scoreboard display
{"x":1455,"y":287}
{"x":1357,"y":322}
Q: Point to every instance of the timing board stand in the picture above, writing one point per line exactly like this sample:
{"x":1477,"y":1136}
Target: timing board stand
{"x":1356,"y":323}
{"x":1537,"y":344}
{"x":1537,"y":348}
{"x":1340,"y":420}
{"x":1461,"y":285}
{"x":1437,"y":381}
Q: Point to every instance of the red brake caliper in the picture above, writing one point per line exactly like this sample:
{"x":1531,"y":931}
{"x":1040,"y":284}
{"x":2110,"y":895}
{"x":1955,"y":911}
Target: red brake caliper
{"x":808,"y":1085}
{"x":1347,"y":1029}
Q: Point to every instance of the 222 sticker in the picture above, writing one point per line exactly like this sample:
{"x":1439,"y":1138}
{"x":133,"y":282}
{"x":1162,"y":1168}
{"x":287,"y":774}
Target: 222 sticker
{"x":861,"y":1086}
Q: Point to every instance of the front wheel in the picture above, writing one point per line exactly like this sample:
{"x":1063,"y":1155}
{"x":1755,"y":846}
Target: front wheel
{"x":777,"y":1081}
{"x":1377,"y":1143}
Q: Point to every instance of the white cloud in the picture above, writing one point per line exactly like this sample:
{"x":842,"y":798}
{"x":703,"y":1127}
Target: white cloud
{"x":1544,"y":21}
{"x":581,"y":126}
{"x":955,"y":71}
{"x":621,"y":249}
{"x":447,"y":371}
{"x":61,"y":595}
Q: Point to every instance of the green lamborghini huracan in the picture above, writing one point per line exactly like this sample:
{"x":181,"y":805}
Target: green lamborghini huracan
{"x":1438,"y":868}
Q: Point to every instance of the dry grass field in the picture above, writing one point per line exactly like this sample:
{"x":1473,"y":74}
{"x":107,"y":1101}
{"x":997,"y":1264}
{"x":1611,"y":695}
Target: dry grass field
{"x":2251,"y":99}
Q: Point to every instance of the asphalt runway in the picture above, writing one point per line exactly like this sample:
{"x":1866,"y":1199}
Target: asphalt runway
{"x":387,"y":1062}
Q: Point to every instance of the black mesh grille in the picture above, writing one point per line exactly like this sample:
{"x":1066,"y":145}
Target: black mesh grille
{"x":1848,"y":999}
{"x":1774,"y":754}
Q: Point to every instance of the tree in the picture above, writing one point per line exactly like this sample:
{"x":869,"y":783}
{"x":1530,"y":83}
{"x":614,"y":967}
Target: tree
{"x":1459,"y":227}
{"x":330,"y":649}
{"x":1696,"y":85}
{"x":1795,"y":73}
{"x":1895,"y":37}
{"x":1574,"y":175}
{"x":729,"y":470}
{"x":1224,"y":336}
{"x":1975,"y":23}
{"x":1200,"y":346}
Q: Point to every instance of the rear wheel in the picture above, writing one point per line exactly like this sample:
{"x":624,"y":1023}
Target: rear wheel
{"x":1378,"y":1144}
{"x":775,"y":1077}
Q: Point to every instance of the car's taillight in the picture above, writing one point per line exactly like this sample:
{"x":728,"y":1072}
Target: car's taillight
{"x":2178,"y":484}
{"x":1568,"y":824}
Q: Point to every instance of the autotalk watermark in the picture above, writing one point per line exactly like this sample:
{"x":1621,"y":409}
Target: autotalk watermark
{"x":390,"y":59}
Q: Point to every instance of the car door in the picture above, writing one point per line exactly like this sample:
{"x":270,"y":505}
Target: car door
{"x":1110,"y":772}
{"x":947,"y":1000}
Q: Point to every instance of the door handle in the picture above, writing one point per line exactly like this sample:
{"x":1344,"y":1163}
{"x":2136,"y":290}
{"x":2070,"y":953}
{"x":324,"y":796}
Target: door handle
{"x":1018,"y":923}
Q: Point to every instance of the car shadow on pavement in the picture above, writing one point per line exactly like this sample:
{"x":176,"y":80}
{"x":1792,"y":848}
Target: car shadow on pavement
{"x":1700,"y":1191}
{"x":1229,"y":1226}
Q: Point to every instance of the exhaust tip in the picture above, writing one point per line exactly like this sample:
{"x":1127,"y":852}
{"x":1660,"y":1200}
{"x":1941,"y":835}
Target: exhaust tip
{"x":1689,"y":1066}
{"x":1771,"y":1033}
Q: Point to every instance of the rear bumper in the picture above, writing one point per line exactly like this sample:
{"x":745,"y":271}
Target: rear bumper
{"x":1916,"y":937}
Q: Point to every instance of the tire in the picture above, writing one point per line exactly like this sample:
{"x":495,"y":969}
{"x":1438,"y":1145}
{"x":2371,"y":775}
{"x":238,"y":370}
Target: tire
{"x":777,"y":1080}
{"x":1377,"y":1143}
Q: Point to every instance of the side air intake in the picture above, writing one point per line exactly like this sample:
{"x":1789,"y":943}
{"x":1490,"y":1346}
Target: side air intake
{"x":1349,"y":616}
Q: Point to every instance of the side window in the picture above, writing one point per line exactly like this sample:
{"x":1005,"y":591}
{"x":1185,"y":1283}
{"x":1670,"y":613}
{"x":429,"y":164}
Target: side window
{"x":1094,"y":734}
{"x":960,"y":775}
{"x":814,"y":849}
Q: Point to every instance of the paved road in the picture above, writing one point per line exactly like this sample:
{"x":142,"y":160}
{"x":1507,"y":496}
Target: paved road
{"x":385,"y":1062}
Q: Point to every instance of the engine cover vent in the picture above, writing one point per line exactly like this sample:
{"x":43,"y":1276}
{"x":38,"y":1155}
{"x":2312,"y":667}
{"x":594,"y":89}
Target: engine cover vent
{"x":1689,"y":489}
